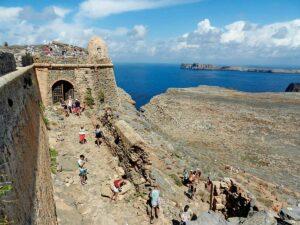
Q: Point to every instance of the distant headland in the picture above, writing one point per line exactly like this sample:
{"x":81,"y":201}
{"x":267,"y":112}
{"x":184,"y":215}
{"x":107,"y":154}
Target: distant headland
{"x":199,"y":66}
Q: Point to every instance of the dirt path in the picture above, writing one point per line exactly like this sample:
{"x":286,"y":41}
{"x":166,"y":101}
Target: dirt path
{"x":77,"y":204}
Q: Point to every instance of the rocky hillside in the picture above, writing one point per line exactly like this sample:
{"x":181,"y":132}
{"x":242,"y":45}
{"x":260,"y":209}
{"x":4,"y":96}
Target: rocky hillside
{"x":251,"y":137}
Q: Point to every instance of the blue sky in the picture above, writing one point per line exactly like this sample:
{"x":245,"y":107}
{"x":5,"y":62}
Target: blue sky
{"x":210,"y":31}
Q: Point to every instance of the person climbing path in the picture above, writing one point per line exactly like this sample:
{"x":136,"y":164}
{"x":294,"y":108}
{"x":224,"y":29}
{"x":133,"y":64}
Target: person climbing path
{"x":116,"y":187}
{"x":82,"y":170}
{"x":98,"y":135}
{"x":155,"y":201}
{"x":186,"y":215}
{"x":82,"y":135}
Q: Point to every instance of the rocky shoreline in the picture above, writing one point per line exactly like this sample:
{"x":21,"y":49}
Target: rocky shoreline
{"x":197,"y":66}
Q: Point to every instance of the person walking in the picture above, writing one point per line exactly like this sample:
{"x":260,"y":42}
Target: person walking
{"x":155,"y":202}
{"x":70,"y":104}
{"x":98,"y":135}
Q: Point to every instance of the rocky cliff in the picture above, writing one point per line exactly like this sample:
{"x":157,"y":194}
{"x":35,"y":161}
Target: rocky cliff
{"x":253,"y":138}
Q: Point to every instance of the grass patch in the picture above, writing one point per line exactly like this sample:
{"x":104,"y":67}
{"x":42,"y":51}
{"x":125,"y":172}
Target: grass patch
{"x":266,"y":202}
{"x":42,"y":106}
{"x":89,"y":98}
{"x":5,"y":189}
{"x":53,"y":156}
{"x":4,"y":221}
{"x":176,"y":179}
{"x":101,"y":97}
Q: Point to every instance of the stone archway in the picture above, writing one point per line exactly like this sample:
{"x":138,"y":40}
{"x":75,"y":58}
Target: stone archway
{"x":61,"y":90}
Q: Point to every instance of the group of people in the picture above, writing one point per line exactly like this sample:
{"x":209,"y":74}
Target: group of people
{"x":82,"y":160}
{"x":72,"y":106}
{"x":117,"y":185}
{"x":98,"y":135}
{"x":56,"y":51}
{"x":191,"y":179}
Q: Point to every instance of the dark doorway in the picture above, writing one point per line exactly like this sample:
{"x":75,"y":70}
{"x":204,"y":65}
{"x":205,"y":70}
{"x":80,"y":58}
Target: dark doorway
{"x":62,"y":90}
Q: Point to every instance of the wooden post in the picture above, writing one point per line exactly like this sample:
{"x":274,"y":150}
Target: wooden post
{"x":211,"y":196}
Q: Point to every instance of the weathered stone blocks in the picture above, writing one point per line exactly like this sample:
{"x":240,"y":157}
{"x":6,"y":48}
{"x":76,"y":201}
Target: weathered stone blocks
{"x":7,"y":63}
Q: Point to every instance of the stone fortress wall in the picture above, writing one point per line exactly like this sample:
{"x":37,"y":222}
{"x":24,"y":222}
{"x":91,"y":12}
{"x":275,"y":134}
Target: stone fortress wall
{"x":24,"y":158}
{"x":7,"y":63}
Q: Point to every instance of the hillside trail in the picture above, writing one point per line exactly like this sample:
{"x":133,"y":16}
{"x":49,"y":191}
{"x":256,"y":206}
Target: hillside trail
{"x":78,"y":204}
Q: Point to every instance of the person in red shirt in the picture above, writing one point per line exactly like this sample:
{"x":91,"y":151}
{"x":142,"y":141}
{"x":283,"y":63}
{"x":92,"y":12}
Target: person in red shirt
{"x":117,"y":188}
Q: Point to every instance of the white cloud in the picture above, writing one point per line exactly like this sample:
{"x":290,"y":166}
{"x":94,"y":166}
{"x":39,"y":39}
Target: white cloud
{"x":238,"y":41}
{"x":61,"y":12}
{"x":138,"y":31}
{"x":9,"y":13}
{"x":234,"y":43}
{"x":102,"y":8}
{"x":235,"y":32}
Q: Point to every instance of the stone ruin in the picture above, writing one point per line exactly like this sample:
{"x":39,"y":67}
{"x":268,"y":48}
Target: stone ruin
{"x":232,"y":199}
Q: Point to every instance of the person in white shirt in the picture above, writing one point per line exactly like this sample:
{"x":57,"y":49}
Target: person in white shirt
{"x":82,"y":171}
{"x":70,"y":104}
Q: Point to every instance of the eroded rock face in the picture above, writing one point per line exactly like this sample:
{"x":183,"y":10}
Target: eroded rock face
{"x":217,"y":126}
{"x":232,"y":199}
{"x":97,"y":50}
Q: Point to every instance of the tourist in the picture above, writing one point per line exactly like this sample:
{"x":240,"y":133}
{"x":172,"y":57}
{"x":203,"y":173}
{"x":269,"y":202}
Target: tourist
{"x":186,"y":215}
{"x":155,"y":200}
{"x":82,"y":171}
{"x":82,"y":134}
{"x":185,"y":177}
{"x":70,"y":104}
{"x":83,"y":106}
{"x":64,"y":106}
{"x":191,"y":186}
{"x":192,"y":176}
{"x":208,"y":184}
{"x":98,"y":135}
{"x":116,"y":187}
{"x":198,"y":176}
{"x":77,"y":107}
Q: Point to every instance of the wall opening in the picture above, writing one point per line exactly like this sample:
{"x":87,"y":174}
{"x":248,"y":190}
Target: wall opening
{"x":62,"y":89}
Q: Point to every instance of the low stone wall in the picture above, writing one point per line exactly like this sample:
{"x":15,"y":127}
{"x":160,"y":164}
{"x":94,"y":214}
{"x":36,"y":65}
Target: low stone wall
{"x":7,"y":63}
{"x":24,"y":152}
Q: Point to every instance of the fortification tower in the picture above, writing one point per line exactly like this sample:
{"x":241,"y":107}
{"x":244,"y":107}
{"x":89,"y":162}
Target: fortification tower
{"x":71,"y":71}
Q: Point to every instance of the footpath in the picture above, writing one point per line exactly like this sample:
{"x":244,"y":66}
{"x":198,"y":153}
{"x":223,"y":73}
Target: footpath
{"x":84,"y":205}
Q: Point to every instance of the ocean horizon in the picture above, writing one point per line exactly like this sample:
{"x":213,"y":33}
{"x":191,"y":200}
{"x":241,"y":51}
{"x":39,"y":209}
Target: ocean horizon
{"x":143,"y":81}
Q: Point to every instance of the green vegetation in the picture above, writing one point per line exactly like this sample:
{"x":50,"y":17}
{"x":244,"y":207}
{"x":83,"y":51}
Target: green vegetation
{"x":176,"y":179}
{"x":42,"y":107}
{"x":101,"y":97}
{"x":45,"y":119}
{"x":53,"y":156}
{"x":89,"y":98}
{"x":4,"y":221}
{"x":5,"y":189}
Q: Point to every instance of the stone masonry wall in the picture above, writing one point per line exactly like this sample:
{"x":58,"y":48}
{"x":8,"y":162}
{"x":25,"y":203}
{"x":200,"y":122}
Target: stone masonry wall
{"x":24,"y":152}
{"x":7,"y":63}
{"x":56,"y":75}
{"x":104,"y":81}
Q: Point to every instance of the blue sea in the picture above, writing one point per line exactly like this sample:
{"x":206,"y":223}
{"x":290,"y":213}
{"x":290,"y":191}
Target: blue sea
{"x":143,"y":81}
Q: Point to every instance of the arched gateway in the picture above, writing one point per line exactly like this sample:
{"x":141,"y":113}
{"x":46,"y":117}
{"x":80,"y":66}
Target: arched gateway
{"x":62,"y":89}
